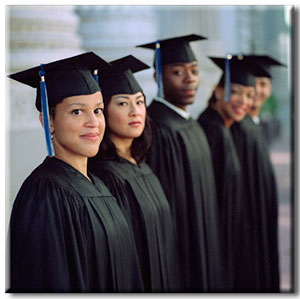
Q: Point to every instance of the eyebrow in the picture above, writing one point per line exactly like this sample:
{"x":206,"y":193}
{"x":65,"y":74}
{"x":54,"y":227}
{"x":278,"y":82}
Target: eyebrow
{"x":121,"y":96}
{"x":82,"y":104}
{"x":127,"y":97}
{"x":184,"y":63}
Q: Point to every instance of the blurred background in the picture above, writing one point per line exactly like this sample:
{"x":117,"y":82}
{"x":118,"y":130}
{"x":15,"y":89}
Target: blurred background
{"x":41,"y":34}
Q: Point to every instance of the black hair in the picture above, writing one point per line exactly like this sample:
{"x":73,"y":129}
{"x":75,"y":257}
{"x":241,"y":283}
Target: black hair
{"x":139,"y":147}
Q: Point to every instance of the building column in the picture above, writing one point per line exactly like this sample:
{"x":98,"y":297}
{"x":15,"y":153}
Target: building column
{"x":35,"y":35}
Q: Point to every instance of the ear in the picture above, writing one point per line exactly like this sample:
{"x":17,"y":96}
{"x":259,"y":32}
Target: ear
{"x":50,"y":120}
{"x":219,"y":92}
{"x":41,"y":119}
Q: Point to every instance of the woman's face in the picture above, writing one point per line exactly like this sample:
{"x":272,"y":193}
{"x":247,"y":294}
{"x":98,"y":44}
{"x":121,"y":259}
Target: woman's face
{"x":240,"y":102}
{"x":263,"y":91}
{"x":78,"y":126}
{"x":126,"y":116}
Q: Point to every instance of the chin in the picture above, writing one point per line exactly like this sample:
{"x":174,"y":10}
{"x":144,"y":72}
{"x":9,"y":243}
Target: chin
{"x":189,"y":101}
{"x":239,"y":118}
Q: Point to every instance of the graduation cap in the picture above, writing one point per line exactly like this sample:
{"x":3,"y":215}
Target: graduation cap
{"x":60,"y":79}
{"x":119,"y":79}
{"x":236,"y":69}
{"x":265,"y":62}
{"x":175,"y":49}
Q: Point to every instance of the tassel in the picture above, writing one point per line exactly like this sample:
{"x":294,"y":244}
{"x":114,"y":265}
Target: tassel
{"x":45,"y":111}
{"x":95,"y":75}
{"x":160,"y":92}
{"x":227,"y":84}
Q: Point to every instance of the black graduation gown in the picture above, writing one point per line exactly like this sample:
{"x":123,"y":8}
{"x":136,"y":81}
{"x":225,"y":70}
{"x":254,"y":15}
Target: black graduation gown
{"x":261,"y":274}
{"x":180,"y":157}
{"x":141,"y":198}
{"x":229,"y":189}
{"x":68,"y":234}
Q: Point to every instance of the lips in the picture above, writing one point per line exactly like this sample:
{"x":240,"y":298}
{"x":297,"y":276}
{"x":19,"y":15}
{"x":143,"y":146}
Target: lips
{"x":239,"y":110}
{"x":134,"y":123}
{"x":189,"y":91}
{"x":90,"y":136}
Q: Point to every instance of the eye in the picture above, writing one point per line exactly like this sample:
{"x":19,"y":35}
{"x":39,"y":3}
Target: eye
{"x":195,"y":72}
{"x":122,"y":104}
{"x":99,"y":111}
{"x":251,"y":96}
{"x":140,"y":102}
{"x":234,"y":91}
{"x":178,"y":72}
{"x":76,"y":111}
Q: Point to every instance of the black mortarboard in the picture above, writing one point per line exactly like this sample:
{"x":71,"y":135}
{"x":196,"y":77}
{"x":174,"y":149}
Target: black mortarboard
{"x":60,"y":79}
{"x":241,"y":70}
{"x":237,"y":70}
{"x":265,"y":62}
{"x":64,"y":78}
{"x":175,"y":49}
{"x":119,"y":79}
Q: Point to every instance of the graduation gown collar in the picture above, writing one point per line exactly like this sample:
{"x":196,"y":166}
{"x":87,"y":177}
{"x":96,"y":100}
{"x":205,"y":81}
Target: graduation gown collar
{"x":71,"y":176}
{"x":179,"y":111}
{"x":213,"y":115}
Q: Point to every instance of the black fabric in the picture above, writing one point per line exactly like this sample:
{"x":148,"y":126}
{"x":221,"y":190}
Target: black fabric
{"x":260,"y":206}
{"x":120,"y":79}
{"x":176,"y":49}
{"x":241,"y":70}
{"x":68,"y":234}
{"x":143,"y":202}
{"x":229,"y":189}
{"x":265,"y":62}
{"x":181,"y":159}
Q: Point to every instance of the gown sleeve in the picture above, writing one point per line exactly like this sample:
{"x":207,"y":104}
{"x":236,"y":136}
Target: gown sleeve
{"x":37,"y":236}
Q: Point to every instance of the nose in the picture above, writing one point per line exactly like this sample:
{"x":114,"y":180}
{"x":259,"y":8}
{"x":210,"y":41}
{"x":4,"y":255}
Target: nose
{"x":92,"y":120}
{"x":245,"y":100}
{"x":190,"y":77}
{"x":133,"y":109}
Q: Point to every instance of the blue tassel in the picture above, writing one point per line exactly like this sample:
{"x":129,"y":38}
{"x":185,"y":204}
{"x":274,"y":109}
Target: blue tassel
{"x":160,"y":92}
{"x":227,"y":85}
{"x":95,"y":75}
{"x":45,"y":111}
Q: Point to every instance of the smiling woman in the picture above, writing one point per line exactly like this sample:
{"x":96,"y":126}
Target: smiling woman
{"x":67,"y":233}
{"x":216,"y":120}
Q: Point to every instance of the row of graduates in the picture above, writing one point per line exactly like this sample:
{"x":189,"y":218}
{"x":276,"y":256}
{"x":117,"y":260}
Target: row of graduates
{"x":138,"y":199}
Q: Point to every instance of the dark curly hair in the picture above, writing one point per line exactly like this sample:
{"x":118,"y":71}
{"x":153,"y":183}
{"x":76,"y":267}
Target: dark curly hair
{"x":140,"y":145}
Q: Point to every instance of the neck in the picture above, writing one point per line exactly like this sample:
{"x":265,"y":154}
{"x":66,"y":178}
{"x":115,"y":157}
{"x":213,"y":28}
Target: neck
{"x":123,"y":147}
{"x":255,"y":112}
{"x":183,"y":107}
{"x":228,"y":122}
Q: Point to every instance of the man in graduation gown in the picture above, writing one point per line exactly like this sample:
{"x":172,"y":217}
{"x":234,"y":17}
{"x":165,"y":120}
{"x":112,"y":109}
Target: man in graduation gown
{"x":261,"y":202}
{"x":181,"y":159}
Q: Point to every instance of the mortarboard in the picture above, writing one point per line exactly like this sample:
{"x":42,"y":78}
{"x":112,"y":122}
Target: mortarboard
{"x":119,"y":79}
{"x":237,"y":70}
{"x":64,"y":78}
{"x":175,"y":49}
{"x":265,"y":62}
{"x":60,"y":79}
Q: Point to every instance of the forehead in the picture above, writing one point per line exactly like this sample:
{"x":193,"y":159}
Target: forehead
{"x":84,"y":99}
{"x":262,"y":79}
{"x":243,"y":87}
{"x":182,"y":64}
{"x":127,"y":96}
